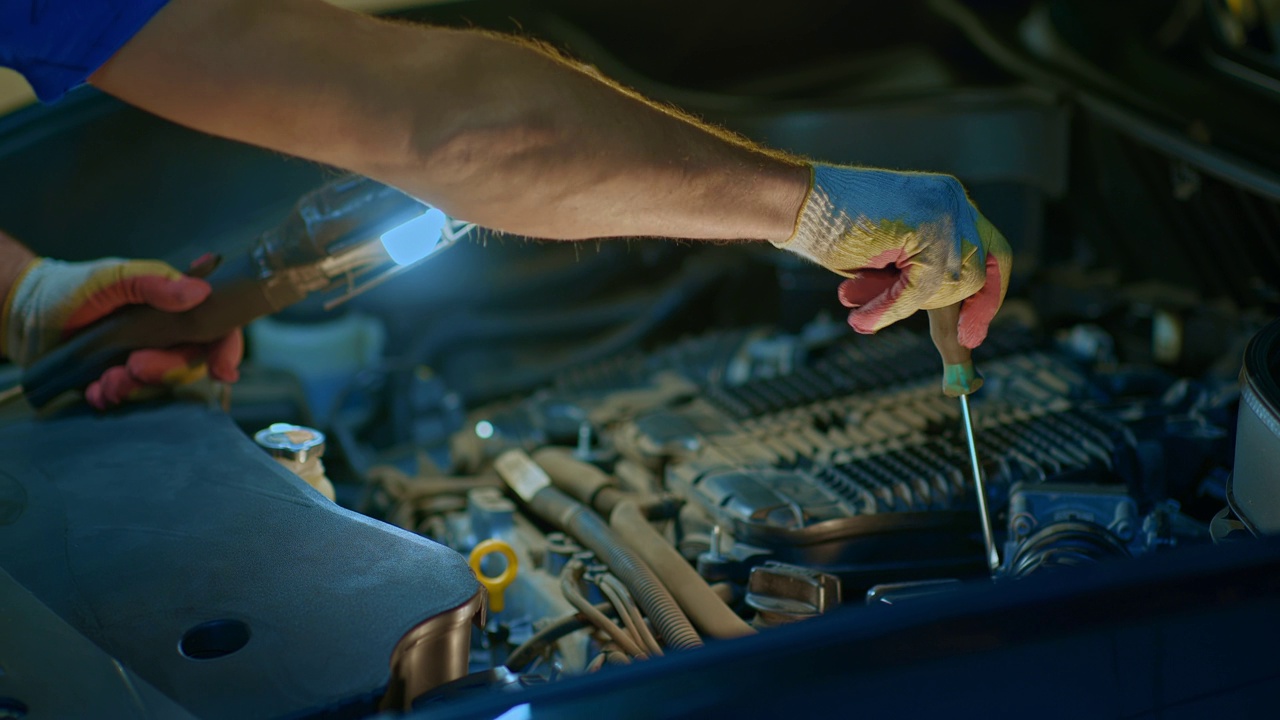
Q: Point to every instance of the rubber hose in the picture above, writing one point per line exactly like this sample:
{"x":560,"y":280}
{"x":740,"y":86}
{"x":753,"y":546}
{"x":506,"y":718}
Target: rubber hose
{"x":593,"y":487}
{"x":652,"y":596}
{"x":705,"y":608}
{"x":581,"y":480}
{"x":1065,"y":543}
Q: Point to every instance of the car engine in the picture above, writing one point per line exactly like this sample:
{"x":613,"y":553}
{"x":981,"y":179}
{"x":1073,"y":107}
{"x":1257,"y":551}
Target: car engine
{"x":660,"y":461}
{"x":799,"y":472}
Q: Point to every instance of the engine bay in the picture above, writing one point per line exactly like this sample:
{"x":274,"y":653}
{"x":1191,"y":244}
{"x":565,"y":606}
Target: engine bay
{"x":652,"y":454}
{"x":799,"y":472}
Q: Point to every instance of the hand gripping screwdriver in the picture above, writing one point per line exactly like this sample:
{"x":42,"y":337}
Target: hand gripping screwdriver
{"x":959,"y":379}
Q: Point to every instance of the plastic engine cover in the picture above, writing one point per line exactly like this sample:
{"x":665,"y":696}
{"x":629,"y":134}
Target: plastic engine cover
{"x":168,"y":538}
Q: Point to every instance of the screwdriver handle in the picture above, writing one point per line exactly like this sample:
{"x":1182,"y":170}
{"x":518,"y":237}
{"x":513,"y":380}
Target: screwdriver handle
{"x":959,"y":377}
{"x":238,"y":297}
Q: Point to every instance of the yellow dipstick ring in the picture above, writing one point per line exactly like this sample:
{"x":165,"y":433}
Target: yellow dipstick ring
{"x":495,"y":585}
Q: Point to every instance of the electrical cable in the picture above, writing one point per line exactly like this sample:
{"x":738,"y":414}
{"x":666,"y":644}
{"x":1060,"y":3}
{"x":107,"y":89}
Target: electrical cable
{"x":624,"y":613}
{"x":530,"y":649}
{"x":408,"y":489}
{"x":591,"y":530}
{"x":694,"y":278}
{"x":705,"y":608}
{"x":590,"y":485}
{"x":569,"y":578}
{"x":642,"y":627}
{"x":639,"y":316}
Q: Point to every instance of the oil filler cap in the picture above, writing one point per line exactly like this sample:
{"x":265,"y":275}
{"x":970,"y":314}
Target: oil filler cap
{"x":292,"y":442}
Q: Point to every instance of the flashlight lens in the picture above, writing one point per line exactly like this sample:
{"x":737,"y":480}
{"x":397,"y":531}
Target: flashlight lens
{"x":415,"y":239}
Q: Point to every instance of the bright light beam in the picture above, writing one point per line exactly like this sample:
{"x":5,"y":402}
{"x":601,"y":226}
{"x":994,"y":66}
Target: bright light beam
{"x":416,"y":239}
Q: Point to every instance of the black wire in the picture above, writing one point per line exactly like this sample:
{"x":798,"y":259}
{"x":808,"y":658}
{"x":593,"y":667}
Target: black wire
{"x":530,"y":649}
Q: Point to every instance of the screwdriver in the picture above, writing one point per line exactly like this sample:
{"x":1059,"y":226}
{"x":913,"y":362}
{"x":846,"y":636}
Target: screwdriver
{"x":959,"y":379}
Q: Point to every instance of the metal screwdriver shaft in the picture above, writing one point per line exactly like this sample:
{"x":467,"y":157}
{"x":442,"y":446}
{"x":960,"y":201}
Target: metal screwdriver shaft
{"x":979,"y":485}
{"x":960,"y":379}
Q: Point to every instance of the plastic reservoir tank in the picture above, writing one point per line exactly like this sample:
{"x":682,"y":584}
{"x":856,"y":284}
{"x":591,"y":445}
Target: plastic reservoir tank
{"x":325,"y":356}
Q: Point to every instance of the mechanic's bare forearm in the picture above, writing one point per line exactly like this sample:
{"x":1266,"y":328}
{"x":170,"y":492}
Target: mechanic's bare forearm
{"x":544,"y":148}
{"x":492,"y":130}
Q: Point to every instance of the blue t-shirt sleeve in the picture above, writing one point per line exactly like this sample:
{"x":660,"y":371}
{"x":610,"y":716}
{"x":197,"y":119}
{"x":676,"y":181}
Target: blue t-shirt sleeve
{"x":58,"y":44}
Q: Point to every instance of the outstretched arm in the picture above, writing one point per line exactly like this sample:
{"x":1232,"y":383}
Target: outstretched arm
{"x":510,"y":135}
{"x":491,"y":129}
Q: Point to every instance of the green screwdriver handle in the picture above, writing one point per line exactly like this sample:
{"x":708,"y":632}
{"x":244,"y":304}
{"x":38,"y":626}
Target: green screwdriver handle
{"x":958,"y":374}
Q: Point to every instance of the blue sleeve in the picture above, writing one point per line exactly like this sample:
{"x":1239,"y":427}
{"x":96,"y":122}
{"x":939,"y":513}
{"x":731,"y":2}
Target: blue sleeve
{"x":58,"y":44}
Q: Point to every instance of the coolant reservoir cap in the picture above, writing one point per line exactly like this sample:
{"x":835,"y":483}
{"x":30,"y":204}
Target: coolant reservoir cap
{"x":294,"y":442}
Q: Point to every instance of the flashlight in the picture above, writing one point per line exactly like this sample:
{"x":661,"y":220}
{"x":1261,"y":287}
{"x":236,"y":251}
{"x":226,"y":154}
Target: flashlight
{"x":416,"y":239}
{"x":346,"y":237}
{"x":425,"y":233}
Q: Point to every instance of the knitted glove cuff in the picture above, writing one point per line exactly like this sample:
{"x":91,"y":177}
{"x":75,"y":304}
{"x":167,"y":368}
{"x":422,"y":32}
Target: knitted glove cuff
{"x":820,"y":225}
{"x":858,"y":217}
{"x":38,"y":306}
{"x":11,"y":301}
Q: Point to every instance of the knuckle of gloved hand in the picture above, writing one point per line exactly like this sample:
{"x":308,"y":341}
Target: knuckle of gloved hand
{"x":973,"y":276}
{"x":901,"y":311}
{"x":156,"y":267}
{"x":942,"y":196}
{"x":107,"y":272}
{"x":118,"y":271}
{"x":974,"y":257}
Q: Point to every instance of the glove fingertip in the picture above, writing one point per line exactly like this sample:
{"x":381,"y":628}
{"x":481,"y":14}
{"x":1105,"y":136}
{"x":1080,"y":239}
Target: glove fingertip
{"x":189,"y":291}
{"x":117,"y":383}
{"x":153,"y":366}
{"x":225,"y":355}
{"x":93,"y":396}
{"x":225,"y":374}
{"x":172,"y":295}
{"x":976,"y":315}
{"x":859,"y":324}
{"x":843,"y":293}
{"x":864,"y":320}
{"x":979,"y":309}
{"x":971,"y":336}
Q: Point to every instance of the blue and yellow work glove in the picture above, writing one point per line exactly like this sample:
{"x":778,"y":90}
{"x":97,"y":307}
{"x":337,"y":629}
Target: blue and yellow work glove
{"x":921,"y":225}
{"x":52,"y":300}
